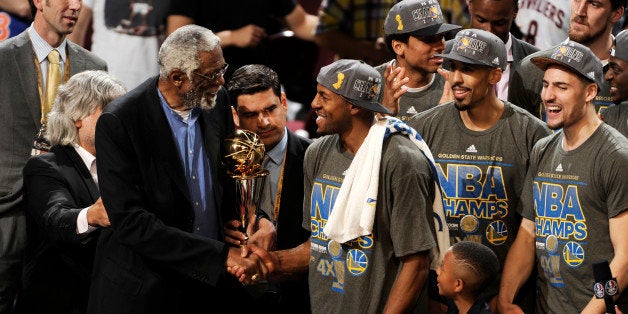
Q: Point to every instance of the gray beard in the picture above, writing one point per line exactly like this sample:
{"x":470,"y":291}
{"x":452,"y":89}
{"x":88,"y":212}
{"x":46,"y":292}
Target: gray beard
{"x":192,"y":100}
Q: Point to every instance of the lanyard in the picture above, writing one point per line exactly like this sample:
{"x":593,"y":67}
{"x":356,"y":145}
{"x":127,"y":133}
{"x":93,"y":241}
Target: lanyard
{"x":279,"y":188}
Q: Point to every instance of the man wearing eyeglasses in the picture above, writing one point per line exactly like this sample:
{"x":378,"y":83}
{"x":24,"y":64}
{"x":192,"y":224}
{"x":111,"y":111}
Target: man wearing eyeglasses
{"x":162,"y":184}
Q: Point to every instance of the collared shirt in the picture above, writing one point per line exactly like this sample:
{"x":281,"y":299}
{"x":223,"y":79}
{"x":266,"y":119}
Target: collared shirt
{"x":502,"y":85}
{"x":42,"y":49}
{"x":275,"y":163}
{"x":189,"y":139}
{"x":82,"y":227}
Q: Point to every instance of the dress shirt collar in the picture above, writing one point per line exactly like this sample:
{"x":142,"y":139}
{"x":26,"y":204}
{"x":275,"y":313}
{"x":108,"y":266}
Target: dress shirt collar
{"x":276,"y":153}
{"x":509,"y":56}
{"x":86,"y":156}
{"x":42,"y":48}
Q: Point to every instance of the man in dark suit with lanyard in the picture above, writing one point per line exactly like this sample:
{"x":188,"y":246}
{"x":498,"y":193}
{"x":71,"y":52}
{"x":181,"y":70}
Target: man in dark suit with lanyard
{"x":259,"y":105}
{"x":161,"y":181}
{"x":25,"y":102}
{"x":65,"y":211}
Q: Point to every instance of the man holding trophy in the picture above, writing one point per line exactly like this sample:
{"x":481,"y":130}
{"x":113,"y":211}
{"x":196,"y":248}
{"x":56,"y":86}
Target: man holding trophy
{"x":162,"y":183}
{"x":259,"y":105}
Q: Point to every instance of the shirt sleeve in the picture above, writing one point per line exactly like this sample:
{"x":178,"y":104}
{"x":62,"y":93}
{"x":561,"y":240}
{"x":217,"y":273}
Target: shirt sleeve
{"x":82,"y":226}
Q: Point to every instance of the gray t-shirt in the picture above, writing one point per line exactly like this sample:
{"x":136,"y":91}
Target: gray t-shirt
{"x":481,"y":173}
{"x":571,"y":195}
{"x":413,"y":102}
{"x":357,"y":276}
{"x":617,"y":117}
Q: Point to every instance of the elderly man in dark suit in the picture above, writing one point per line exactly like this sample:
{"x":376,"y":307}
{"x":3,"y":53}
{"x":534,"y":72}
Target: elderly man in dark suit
{"x":259,"y":105}
{"x":161,"y":181}
{"x":62,"y":200}
{"x":24,"y":76}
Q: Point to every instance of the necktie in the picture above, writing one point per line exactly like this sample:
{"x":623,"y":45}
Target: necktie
{"x":52,"y":83}
{"x":267,"y":199}
{"x":53,"y":79}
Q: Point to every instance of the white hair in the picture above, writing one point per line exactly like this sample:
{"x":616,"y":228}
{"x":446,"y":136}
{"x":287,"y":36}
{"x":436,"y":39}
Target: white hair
{"x":78,"y":98}
{"x":181,"y":49}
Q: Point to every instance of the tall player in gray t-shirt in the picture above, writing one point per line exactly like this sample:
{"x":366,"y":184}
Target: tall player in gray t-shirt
{"x":575,"y":207}
{"x":481,"y":146}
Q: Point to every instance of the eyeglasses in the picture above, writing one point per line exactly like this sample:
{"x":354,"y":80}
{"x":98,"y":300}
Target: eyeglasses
{"x":215,"y":75}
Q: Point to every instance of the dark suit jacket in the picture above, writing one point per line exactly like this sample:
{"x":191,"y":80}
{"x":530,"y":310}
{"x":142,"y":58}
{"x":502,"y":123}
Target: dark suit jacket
{"x":290,"y":233}
{"x":149,"y":261}
{"x":58,"y":264}
{"x":516,"y":87}
{"x":20,"y":118}
{"x":21,"y":108}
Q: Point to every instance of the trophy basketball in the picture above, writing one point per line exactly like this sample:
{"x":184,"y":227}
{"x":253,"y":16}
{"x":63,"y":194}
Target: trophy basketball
{"x":244,"y":153}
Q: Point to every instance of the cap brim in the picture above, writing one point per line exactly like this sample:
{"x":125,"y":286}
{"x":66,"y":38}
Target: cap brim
{"x":368,"y":105}
{"x":450,"y":56}
{"x":435,"y":29}
{"x":544,"y":62}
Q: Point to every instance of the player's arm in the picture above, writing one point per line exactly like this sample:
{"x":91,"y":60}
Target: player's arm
{"x":20,"y":8}
{"x":517,"y":267}
{"x":302,"y":23}
{"x":411,"y":279}
{"x":175,"y":21}
{"x":619,"y":264}
{"x":79,"y":34}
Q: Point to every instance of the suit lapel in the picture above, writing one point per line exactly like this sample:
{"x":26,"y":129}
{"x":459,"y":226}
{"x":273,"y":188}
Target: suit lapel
{"x":70,"y":153}
{"x":162,"y":141}
{"x":27,"y":73}
{"x":77,"y":60}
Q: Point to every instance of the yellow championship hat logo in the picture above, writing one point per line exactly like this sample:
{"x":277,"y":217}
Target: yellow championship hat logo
{"x":338,"y":84}
{"x":399,"y":22}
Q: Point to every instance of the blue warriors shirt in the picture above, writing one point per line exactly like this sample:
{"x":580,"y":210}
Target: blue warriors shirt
{"x":11,"y":25}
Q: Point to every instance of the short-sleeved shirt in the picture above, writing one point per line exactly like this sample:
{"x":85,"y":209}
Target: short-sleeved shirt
{"x":570,"y":196}
{"x":357,"y":276}
{"x":481,"y":173}
{"x":617,"y":117}
{"x":417,"y":100}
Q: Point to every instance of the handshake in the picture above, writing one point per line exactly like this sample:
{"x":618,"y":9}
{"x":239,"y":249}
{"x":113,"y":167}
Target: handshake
{"x":250,"y":259}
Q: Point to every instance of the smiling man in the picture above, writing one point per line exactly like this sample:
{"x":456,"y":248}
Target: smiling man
{"x":591,"y":24}
{"x":575,"y":207}
{"x":497,"y":16}
{"x":617,"y":77}
{"x":415,"y":43}
{"x":481,"y":146}
{"x":161,"y":181}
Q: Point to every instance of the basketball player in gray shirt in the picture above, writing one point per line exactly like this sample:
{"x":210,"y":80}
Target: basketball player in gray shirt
{"x":575,"y":208}
{"x":481,"y":146}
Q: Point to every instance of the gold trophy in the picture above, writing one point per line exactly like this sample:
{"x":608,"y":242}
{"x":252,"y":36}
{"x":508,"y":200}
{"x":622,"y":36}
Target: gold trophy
{"x":244,"y":153}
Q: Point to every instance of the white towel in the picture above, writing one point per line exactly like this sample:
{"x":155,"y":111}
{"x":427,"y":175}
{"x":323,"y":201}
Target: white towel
{"x":353,"y":213}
